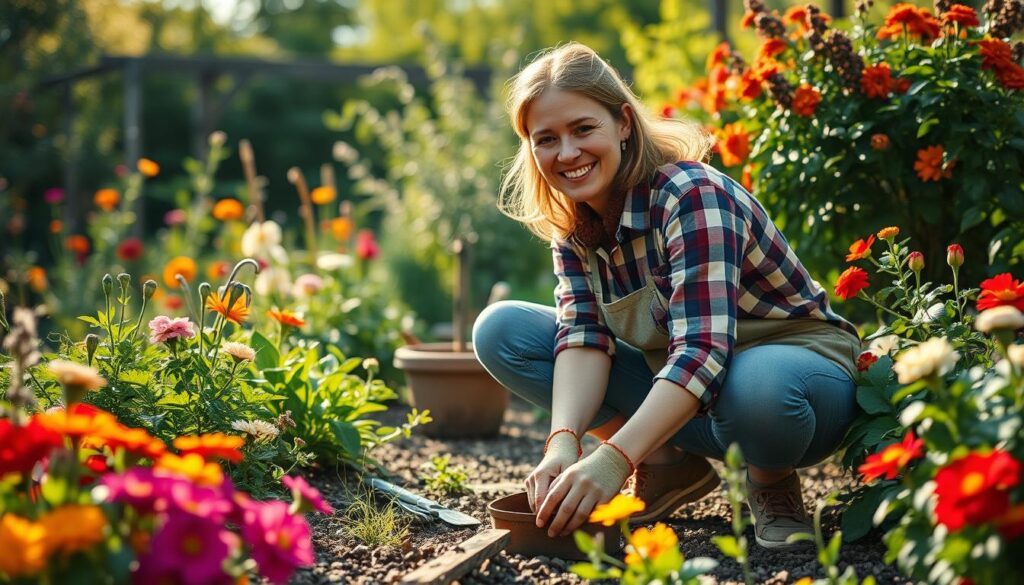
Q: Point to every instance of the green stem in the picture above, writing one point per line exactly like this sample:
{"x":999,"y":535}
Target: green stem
{"x":956,"y":294}
{"x":864,"y":297}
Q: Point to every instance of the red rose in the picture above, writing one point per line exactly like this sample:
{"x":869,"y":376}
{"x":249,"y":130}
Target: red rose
{"x":975,"y":489}
{"x":866,"y":360}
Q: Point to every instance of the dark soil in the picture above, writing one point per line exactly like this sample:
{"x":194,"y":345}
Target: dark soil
{"x":497,"y":467}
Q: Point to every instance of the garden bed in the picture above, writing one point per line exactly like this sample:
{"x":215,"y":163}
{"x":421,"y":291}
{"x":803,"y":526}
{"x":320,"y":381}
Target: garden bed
{"x":497,"y":466}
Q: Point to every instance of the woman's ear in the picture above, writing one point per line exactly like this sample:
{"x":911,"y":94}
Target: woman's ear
{"x":625,"y":121}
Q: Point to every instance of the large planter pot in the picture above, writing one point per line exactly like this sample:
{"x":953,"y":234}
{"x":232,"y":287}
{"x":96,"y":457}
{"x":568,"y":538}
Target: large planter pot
{"x":463,"y":399}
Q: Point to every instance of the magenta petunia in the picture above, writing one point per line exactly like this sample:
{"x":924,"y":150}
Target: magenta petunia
{"x":164,"y":328}
{"x":188,"y":549}
{"x":53,"y":195}
{"x":280,"y":541}
{"x":306,"y":496}
{"x":175,"y":217}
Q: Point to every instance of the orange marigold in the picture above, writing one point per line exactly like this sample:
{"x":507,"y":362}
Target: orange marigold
{"x":323,"y":195}
{"x":191,"y":466}
{"x":748,"y":19}
{"x":961,"y":14}
{"x":717,"y":56}
{"x":286,"y":317}
{"x":182,"y":265}
{"x":733,"y":144}
{"x":929,"y":165}
{"x":36,"y":277}
{"x":749,"y":86}
{"x":805,"y":100}
{"x":888,"y":233}
{"x":876,"y":81}
{"x":996,"y":54}
{"x":765,"y":68}
{"x":860,"y":249}
{"x":341,"y":228}
{"x":78,"y":244}
{"x":212,"y":445}
{"x":147,"y":167}
{"x":915,"y":21}
{"x":107,"y":199}
{"x":228,"y":209}
{"x":796,"y":15}
{"x":236,"y":313}
{"x":770,"y":48}
{"x":56,"y":226}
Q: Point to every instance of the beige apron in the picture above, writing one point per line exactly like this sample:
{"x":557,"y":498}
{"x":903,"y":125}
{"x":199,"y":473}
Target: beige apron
{"x":636,"y":319}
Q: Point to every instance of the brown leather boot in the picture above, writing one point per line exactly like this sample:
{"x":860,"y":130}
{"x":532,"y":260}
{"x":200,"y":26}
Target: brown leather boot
{"x":667,"y":486}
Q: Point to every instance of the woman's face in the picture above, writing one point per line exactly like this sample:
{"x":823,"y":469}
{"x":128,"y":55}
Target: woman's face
{"x":576,"y":144}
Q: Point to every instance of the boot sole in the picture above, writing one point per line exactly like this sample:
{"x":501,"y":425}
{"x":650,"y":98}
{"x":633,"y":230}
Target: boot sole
{"x":777,"y":545}
{"x":671,"y":501}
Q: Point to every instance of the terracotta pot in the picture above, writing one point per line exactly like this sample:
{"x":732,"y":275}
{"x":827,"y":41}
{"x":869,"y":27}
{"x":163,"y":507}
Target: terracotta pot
{"x":463,"y":399}
{"x":513,"y":513}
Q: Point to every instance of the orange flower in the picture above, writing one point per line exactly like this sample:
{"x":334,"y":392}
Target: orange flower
{"x":56,"y":226}
{"x":173,"y":302}
{"x":24,"y":544}
{"x":648,"y":544}
{"x":147,"y":167}
{"x":765,"y":68}
{"x":323,"y":195}
{"x":891,"y":461}
{"x":286,"y":317}
{"x":850,"y":282}
{"x":211,"y":445}
{"x":876,"y":81}
{"x":1000,"y":290}
{"x":238,"y":311}
{"x":749,"y":86}
{"x":770,"y":48}
{"x":37,"y":278}
{"x":888,"y":233}
{"x":880,"y":142}
{"x":107,"y":199}
{"x":718,"y":56}
{"x":805,"y":100}
{"x":74,"y":527}
{"x":796,"y":15}
{"x":341,"y":228}
{"x":860,"y":249}
{"x":960,"y":14}
{"x":915,"y":21}
{"x":746,"y":178}
{"x":81,"y":421}
{"x":929,"y":165}
{"x":714,"y":98}
{"x":191,"y":466}
{"x":733,"y":144}
{"x":748,"y":19}
{"x":132,"y":440}
{"x":182,"y":265}
{"x":79,"y":244}
{"x":218,"y":269}
{"x":995,"y":53}
{"x":228,"y":209}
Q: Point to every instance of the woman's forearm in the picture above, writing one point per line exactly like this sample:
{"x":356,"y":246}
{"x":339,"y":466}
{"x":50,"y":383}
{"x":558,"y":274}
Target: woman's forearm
{"x":665,"y":410}
{"x":580,"y":383}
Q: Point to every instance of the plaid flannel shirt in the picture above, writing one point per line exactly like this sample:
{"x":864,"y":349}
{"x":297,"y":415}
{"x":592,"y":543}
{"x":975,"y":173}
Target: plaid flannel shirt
{"x":713,"y":253}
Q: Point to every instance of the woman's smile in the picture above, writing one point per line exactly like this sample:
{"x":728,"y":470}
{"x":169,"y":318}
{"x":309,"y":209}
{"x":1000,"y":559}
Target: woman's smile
{"x":579,"y":174}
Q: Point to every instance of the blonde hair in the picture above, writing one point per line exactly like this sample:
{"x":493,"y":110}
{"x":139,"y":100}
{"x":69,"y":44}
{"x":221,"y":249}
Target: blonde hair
{"x":525,"y":195}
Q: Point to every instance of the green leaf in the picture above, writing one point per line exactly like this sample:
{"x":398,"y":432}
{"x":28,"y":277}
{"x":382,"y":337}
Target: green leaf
{"x":858,"y":516}
{"x":267,"y":355}
{"x":90,"y":320}
{"x":347,"y":436}
{"x":971,"y":218}
{"x":926,"y":126}
{"x":877,"y":429}
{"x":587,"y":571}
{"x":728,"y":545}
{"x":584,"y":541}
{"x":873,"y":401}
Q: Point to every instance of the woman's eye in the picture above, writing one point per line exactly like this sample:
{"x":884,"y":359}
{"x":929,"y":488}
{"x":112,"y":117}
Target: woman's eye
{"x":544,"y":140}
{"x":584,"y":129}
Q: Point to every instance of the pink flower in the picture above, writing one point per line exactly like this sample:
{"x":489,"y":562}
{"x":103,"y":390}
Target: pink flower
{"x":165,"y":329}
{"x":53,"y":195}
{"x":366,"y":245}
{"x":188,"y":549}
{"x":306,"y":496}
{"x":307,"y":285}
{"x":174,"y":217}
{"x":280,"y":541}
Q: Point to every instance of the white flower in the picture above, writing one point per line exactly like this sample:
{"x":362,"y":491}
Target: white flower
{"x":239,"y":351}
{"x":334,"y":261}
{"x":1002,"y":317}
{"x":272,"y":281}
{"x":259,"y":430}
{"x":72,"y":374}
{"x":1015,"y":353}
{"x":259,"y":238}
{"x":933,"y":357}
{"x":884,"y":345}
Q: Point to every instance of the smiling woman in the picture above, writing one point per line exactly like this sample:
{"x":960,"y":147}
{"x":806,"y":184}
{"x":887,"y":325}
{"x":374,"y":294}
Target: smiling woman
{"x":674,"y":271}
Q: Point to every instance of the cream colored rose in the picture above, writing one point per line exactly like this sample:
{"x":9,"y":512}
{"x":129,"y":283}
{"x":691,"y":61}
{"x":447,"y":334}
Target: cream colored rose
{"x":997,"y":318}
{"x":239,"y":351}
{"x":260,"y":238}
{"x":72,"y":374}
{"x":259,"y":430}
{"x":932,"y":357}
{"x":1015,"y":353}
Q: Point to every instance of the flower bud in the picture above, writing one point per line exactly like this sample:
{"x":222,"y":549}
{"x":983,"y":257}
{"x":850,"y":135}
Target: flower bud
{"x":108,"y":284}
{"x":915,"y":261}
{"x":204,"y":291}
{"x":880,"y":142}
{"x":955,"y":256}
{"x":148,"y":289}
{"x":92,"y":341}
{"x":299,"y":443}
{"x":218,"y":138}
{"x":124,"y":280}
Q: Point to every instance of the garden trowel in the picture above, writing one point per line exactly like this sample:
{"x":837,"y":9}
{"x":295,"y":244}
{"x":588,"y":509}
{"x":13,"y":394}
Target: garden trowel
{"x":435,"y":510}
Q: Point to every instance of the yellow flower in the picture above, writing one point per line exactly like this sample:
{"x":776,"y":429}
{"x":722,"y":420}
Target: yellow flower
{"x":73,"y":528}
{"x":804,"y":581}
{"x":888,"y":233}
{"x":182,"y":265}
{"x":148,"y":168}
{"x":72,"y":374}
{"x":22,"y":546}
{"x":622,"y":506}
{"x":191,"y":466}
{"x":649,"y":544}
{"x":323,"y":195}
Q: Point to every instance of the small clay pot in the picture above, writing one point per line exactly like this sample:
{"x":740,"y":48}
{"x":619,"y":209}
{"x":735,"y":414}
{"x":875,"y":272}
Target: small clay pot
{"x":463,"y":399}
{"x":513,"y":513}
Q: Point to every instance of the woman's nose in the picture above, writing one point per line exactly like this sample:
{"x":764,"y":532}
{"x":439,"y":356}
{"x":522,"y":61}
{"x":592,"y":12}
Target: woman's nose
{"x":568,"y":151}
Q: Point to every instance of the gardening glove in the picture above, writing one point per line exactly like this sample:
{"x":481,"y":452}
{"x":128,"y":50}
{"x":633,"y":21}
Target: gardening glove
{"x":561,"y":450}
{"x":585,"y":484}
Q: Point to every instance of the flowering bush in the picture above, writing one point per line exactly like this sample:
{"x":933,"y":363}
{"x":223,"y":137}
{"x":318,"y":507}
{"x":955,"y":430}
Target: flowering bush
{"x":916,"y":120}
{"x":83,"y":494}
{"x":939,"y":444}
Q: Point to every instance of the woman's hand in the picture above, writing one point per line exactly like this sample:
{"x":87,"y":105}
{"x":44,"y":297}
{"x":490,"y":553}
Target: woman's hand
{"x":575,"y":492}
{"x":563,"y":449}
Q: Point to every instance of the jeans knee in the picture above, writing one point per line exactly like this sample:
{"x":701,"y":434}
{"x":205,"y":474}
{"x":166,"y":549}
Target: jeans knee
{"x":490,"y":330}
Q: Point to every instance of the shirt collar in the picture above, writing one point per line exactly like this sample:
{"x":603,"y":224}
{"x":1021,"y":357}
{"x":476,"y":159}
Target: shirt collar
{"x":636,"y":213}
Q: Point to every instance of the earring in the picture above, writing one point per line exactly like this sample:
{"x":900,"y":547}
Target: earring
{"x":622,"y":146}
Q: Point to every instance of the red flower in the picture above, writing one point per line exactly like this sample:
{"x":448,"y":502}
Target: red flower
{"x":286,"y":317}
{"x":929,"y":165}
{"x":996,"y":54}
{"x":880,"y":142}
{"x":876,"y":81}
{"x":901,"y":85}
{"x":771,"y":48}
{"x":955,"y":255}
{"x":750,"y":86}
{"x":211,"y":445}
{"x":718,"y":56}
{"x":975,"y":489}
{"x":748,"y":19}
{"x":366,"y":245}
{"x":860,"y":249}
{"x":1011,"y":525}
{"x":964,"y":15}
{"x":805,"y":100}
{"x":999,"y":290}
{"x":891,"y":461}
{"x":130,"y":249}
{"x":916,"y":21}
{"x":733,"y":144}
{"x":865,"y":361}
{"x":850,"y":282}
{"x":796,"y":15}
{"x":22,"y":447}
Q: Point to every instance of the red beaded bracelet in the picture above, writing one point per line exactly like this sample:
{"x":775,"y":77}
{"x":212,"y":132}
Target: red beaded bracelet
{"x":579,"y":447}
{"x":632,"y":467}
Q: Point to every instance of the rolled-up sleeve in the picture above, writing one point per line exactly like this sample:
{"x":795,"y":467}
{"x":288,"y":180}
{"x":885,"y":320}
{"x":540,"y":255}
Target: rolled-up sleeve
{"x":579,"y":318}
{"x":705,"y":236}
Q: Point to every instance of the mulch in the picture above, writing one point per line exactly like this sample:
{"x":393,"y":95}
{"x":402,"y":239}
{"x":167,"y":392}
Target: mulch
{"x":497,"y":467}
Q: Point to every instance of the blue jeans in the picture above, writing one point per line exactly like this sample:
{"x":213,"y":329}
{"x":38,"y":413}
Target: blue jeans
{"x":786,"y":406}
